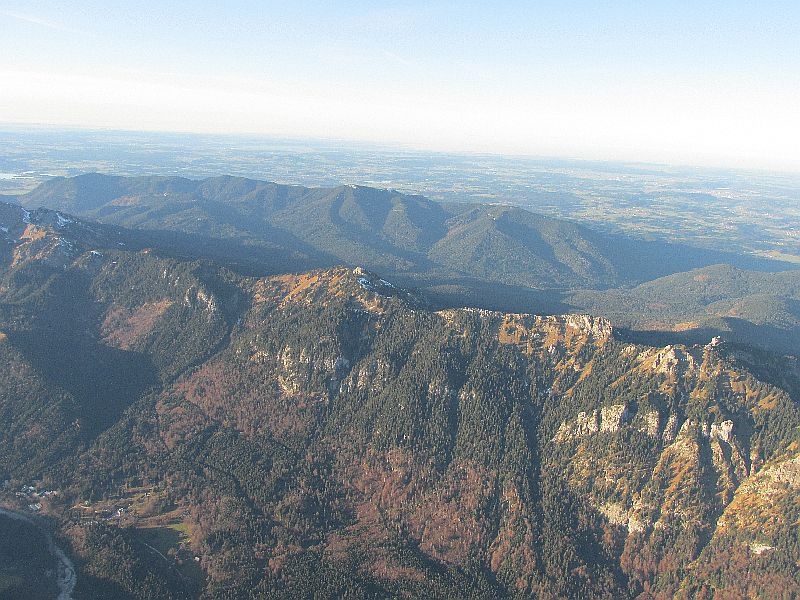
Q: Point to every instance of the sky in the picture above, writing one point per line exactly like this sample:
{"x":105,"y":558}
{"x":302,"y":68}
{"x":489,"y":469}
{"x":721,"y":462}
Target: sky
{"x":706,"y":83}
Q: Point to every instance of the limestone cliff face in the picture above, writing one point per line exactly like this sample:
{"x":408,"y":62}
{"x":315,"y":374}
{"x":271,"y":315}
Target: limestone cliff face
{"x":663,"y":446}
{"x":696,"y":467}
{"x":607,"y":419}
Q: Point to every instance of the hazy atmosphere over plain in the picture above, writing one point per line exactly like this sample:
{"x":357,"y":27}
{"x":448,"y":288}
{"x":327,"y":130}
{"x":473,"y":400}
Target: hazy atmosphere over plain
{"x":686,"y":82}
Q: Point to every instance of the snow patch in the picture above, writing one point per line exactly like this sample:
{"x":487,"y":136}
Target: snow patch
{"x":380,"y":287}
{"x":62,"y":220}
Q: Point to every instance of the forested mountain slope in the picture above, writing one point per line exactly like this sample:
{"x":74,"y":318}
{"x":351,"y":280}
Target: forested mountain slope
{"x":383,"y":230}
{"x":747,"y":306}
{"x":220,"y":436}
{"x":492,"y":256}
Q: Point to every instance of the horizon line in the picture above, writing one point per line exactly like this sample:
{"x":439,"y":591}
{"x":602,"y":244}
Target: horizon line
{"x":386,"y":146}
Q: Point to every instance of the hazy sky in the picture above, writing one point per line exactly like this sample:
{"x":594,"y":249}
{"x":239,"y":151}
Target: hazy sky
{"x":683,"y":82}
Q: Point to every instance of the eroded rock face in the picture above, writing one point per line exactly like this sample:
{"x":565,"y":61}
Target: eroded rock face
{"x":613,"y":417}
{"x":651,"y":422}
{"x":197,"y":297}
{"x":297,"y":367}
{"x":786,"y":471}
{"x":722,"y":431}
{"x":607,"y":419}
{"x":670,"y":429}
{"x":673,"y":361}
{"x":703,"y":456}
{"x":599,"y":328}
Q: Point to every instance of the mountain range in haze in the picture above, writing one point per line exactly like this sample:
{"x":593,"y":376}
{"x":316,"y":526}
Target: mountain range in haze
{"x":494,"y":256}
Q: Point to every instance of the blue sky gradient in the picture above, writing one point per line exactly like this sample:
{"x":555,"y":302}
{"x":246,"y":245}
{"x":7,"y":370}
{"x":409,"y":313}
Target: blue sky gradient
{"x":684,"y":82}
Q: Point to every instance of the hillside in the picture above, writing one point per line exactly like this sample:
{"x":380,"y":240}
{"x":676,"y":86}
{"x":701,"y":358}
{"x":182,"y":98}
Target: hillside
{"x":404,"y":236}
{"x":210,"y":434}
{"x":744,"y":306}
{"x":490,"y":256}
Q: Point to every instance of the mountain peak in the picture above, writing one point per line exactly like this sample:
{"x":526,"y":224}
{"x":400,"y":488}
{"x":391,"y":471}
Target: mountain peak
{"x":370,"y":291}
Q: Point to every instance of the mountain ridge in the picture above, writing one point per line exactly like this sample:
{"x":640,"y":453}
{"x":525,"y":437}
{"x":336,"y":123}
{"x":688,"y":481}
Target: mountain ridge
{"x":456,"y":254}
{"x":376,"y":224}
{"x":323,"y":432}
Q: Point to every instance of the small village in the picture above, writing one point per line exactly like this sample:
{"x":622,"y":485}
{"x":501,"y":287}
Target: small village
{"x":144,"y":511}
